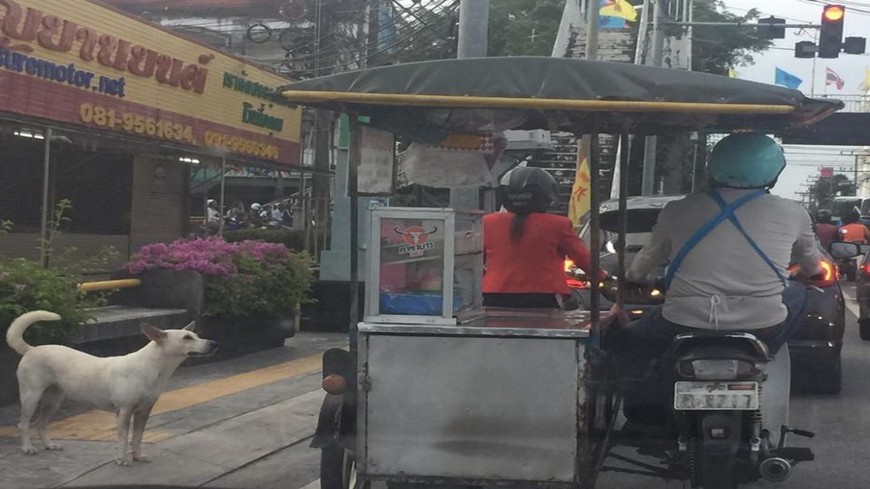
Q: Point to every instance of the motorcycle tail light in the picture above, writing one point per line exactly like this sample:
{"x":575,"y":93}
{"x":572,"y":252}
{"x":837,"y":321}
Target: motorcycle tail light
{"x":575,"y":284}
{"x":829,"y":274}
{"x":866,"y":270}
{"x":715,"y":369}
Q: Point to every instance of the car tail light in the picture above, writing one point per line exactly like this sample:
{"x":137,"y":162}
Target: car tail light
{"x":866,"y":270}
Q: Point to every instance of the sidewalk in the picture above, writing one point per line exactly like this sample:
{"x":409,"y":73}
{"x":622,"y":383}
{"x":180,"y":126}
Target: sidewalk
{"x":214,"y":420}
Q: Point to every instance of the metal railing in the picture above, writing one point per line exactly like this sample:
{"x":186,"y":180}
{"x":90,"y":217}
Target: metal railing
{"x":857,"y":102}
{"x":104,"y":285}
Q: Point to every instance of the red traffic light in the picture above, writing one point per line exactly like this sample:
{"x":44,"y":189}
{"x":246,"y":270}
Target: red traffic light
{"x":833,"y":13}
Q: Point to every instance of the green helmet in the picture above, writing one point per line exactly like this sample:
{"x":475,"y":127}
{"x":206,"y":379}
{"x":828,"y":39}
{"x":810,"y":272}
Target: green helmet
{"x":746,"y":160}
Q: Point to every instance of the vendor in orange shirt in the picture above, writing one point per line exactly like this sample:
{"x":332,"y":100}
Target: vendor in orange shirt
{"x":525,"y":247}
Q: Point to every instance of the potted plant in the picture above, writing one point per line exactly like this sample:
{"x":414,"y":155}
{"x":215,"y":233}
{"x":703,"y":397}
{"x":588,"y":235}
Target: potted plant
{"x":252,"y":289}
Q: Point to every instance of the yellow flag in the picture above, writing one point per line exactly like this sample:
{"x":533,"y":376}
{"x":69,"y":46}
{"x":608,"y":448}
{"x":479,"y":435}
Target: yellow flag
{"x":619,"y":8}
{"x":579,"y":204}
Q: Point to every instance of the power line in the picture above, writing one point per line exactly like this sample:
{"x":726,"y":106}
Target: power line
{"x":417,"y":35}
{"x":406,"y":32}
{"x":818,"y":2}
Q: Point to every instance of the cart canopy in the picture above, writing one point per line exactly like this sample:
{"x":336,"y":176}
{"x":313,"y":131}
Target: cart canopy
{"x":424,"y":99}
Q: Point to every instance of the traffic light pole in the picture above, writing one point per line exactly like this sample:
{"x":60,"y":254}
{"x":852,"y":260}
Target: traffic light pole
{"x":744,"y":24}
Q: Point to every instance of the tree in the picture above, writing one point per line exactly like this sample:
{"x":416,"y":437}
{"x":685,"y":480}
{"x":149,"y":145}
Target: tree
{"x":715,"y":49}
{"x":524,"y":27}
{"x":826,"y":188}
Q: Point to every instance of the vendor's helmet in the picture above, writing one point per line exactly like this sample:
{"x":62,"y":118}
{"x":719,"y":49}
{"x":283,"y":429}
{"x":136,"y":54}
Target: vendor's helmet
{"x":746,"y":160}
{"x":529,"y":190}
{"x":823,"y":215}
{"x":255,"y":206}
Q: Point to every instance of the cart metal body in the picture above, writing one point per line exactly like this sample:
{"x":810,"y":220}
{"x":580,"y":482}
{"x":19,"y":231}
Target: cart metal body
{"x":430,"y":410}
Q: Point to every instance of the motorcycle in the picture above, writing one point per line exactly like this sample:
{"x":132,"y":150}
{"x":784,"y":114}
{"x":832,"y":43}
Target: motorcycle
{"x":849,"y":266}
{"x":720,"y":415}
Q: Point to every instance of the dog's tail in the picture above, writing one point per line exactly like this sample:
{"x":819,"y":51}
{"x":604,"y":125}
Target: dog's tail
{"x":15,"y":334}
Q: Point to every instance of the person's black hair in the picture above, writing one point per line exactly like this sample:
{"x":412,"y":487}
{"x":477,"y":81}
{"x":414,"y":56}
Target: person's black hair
{"x":529,"y":190}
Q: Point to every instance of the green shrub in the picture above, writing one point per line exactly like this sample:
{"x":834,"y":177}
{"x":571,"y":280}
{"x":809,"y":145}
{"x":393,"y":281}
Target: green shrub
{"x":242,"y":280}
{"x":26,"y":286}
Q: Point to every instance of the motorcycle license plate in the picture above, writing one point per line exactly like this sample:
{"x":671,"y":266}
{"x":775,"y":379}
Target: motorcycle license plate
{"x":712,"y":395}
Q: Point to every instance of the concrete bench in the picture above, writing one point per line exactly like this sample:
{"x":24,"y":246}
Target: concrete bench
{"x":117,"y":321}
{"x":163,"y":298}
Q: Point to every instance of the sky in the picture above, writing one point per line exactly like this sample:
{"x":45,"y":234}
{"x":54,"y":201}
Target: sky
{"x":804,"y":161}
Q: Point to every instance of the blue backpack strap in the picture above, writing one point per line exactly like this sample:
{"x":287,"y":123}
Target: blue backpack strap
{"x":731,"y":217}
{"x":704,"y":230}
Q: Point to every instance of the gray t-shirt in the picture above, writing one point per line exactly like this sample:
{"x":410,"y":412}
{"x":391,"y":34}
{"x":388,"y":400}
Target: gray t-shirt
{"x":723,"y":284}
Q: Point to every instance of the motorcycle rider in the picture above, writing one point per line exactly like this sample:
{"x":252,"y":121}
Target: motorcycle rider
{"x":852,"y":230}
{"x":825,"y":230}
{"x":726,"y":251}
{"x":525,"y":247}
{"x":213,"y":217}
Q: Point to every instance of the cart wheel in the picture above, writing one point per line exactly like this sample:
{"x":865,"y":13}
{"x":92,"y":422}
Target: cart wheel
{"x":602,"y":408}
{"x":338,"y":469}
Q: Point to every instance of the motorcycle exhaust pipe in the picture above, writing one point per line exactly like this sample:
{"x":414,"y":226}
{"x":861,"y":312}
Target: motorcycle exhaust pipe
{"x":775,"y":469}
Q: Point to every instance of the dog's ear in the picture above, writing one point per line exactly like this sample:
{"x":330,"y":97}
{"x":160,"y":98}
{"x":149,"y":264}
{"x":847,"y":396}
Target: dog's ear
{"x":152,"y":333}
{"x":190,"y":327}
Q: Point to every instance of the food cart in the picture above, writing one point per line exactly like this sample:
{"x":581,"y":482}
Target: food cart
{"x":435,"y":389}
{"x":429,"y":409}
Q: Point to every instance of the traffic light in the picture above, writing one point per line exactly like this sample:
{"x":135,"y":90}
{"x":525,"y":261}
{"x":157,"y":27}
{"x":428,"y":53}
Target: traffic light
{"x":855,"y":45}
{"x":805,"y":49}
{"x":768,"y":28}
{"x":831,"y":34}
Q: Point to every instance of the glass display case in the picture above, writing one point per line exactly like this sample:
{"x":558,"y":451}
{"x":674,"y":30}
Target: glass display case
{"x":425,"y":266}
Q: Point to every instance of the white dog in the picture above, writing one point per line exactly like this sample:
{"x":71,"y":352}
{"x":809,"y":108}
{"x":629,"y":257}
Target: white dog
{"x":129,"y":385}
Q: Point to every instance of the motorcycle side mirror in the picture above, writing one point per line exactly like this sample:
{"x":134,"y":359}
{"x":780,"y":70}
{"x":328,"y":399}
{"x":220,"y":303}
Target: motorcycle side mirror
{"x":844,"y":250}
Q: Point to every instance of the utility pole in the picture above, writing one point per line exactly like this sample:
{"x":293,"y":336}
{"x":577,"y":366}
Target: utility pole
{"x":473,"y":29}
{"x":585,"y":147}
{"x":322,"y":127}
{"x":658,"y":43}
{"x":472,"y":43}
{"x":592,"y":29}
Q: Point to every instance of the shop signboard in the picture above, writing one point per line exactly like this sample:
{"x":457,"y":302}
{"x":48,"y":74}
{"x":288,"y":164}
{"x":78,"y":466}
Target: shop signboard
{"x":80,"y":62}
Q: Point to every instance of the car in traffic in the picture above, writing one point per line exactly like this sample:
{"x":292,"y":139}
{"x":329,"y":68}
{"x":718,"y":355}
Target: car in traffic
{"x":815,"y":348}
{"x":862,"y":292}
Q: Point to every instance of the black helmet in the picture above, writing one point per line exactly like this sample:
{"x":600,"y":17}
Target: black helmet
{"x":823,"y":216}
{"x":852,"y":216}
{"x":530,"y":190}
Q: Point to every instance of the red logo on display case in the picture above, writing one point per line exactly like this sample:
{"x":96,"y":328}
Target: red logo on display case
{"x":417,"y":239}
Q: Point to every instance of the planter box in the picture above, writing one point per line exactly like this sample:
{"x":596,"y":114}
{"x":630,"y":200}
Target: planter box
{"x":186,"y":290}
{"x":244,"y":335}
